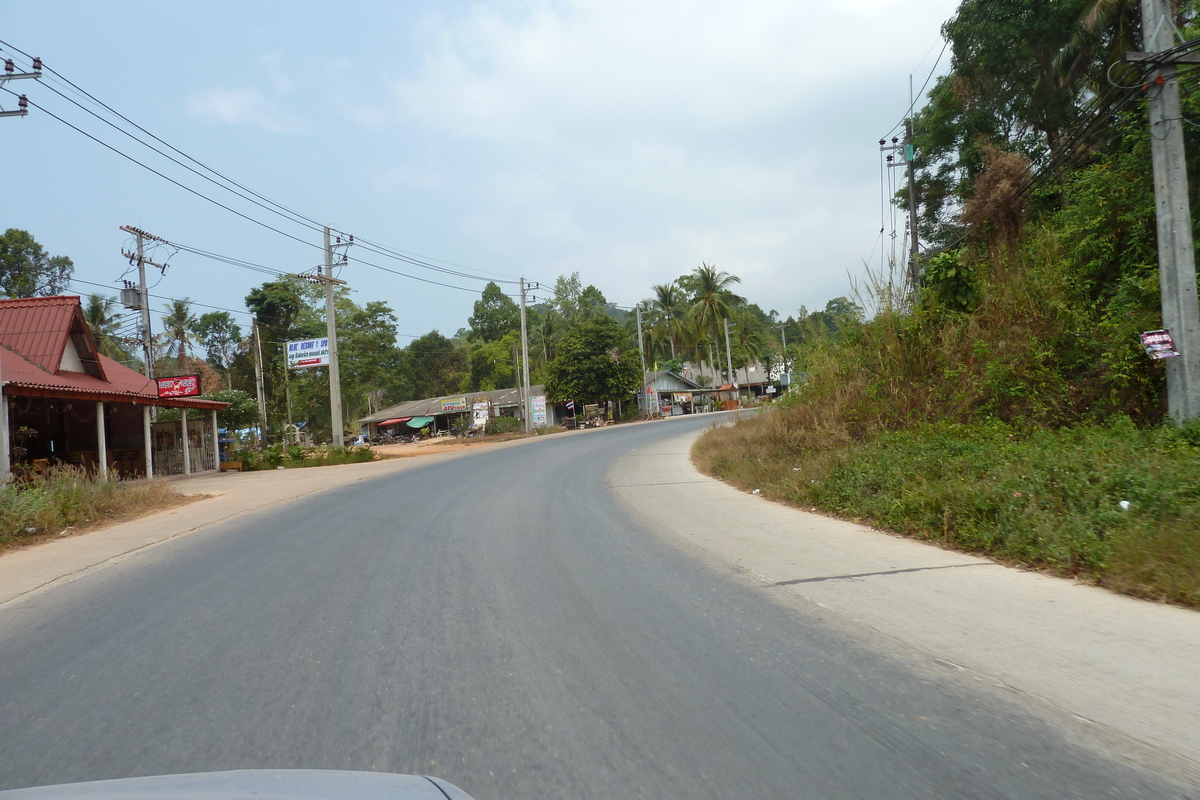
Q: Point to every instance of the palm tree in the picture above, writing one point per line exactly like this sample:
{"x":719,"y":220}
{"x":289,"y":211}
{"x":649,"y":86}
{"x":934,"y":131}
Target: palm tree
{"x":178,"y":327}
{"x":667,"y":315}
{"x":712,"y":302}
{"x":105,"y":325}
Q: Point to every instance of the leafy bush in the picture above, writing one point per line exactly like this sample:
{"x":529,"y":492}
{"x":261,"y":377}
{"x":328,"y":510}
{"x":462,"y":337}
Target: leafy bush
{"x":498,"y":425}
{"x":291,"y":455}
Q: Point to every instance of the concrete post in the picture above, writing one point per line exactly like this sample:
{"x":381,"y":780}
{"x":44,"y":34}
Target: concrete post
{"x":217,"y":441}
{"x":187,"y":450}
{"x":148,"y":442}
{"x":101,"y":440}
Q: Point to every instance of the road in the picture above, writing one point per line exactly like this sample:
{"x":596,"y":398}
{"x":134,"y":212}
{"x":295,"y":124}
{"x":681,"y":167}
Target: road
{"x":497,"y":620}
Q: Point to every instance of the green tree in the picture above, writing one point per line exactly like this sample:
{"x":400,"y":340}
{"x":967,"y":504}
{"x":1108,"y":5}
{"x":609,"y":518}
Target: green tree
{"x":26,"y":270}
{"x":437,"y":365}
{"x":494,"y":315}
{"x":178,"y":325}
{"x":221,"y":337}
{"x":596,"y":362}
{"x":99,"y":312}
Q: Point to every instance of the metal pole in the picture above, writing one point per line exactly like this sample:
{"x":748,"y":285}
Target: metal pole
{"x":335,"y":380}
{"x":187,"y":443}
{"x":525,"y":364}
{"x":643,"y":400}
{"x":1176,"y":259}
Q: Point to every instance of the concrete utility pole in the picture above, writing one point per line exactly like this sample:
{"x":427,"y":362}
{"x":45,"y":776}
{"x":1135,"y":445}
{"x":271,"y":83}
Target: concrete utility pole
{"x":783,"y":336}
{"x":258,"y":380}
{"x":5,"y":445}
{"x":528,"y":401}
{"x":335,"y":378}
{"x":914,"y":273}
{"x":728,"y":353}
{"x":143,"y":295}
{"x":644,"y":401}
{"x":1176,"y":259}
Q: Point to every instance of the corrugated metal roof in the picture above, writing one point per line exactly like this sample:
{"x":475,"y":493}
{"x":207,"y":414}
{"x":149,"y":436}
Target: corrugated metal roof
{"x":38,"y":327}
{"x":432,"y":406}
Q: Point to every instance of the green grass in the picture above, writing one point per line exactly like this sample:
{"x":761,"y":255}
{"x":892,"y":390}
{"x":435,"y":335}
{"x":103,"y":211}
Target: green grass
{"x":1049,"y":499}
{"x":289,"y":456}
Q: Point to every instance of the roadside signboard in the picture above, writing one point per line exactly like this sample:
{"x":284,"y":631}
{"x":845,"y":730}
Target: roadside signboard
{"x":178,"y":386}
{"x":1159,"y":344}
{"x":539,"y":410}
{"x":480,"y":414}
{"x":450,"y":404}
{"x":308,"y":353}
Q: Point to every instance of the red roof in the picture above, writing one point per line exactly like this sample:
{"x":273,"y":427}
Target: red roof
{"x":34,"y":333}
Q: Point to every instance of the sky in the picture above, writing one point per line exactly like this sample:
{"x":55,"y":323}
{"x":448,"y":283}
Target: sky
{"x":626,"y":141}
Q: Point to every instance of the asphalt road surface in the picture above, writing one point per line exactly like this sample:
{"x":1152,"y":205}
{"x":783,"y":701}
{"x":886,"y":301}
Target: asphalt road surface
{"x":497,"y":620}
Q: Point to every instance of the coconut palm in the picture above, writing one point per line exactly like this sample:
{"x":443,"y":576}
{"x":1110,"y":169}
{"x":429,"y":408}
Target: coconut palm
{"x":105,"y":324}
{"x":178,"y":327}
{"x":711,"y":302}
{"x":668,"y":316}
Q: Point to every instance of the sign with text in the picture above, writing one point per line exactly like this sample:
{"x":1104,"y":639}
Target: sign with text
{"x":539,"y":410}
{"x":481,"y":412}
{"x":178,"y":386}
{"x":1159,"y":344}
{"x":451,"y":404}
{"x":308,"y":353}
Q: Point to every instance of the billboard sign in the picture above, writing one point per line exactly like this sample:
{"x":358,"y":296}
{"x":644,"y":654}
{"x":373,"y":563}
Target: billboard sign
{"x":308,"y":353}
{"x":451,"y":404}
{"x":480,"y":414}
{"x":539,"y":410}
{"x":179,"y":386}
{"x":1159,"y":344}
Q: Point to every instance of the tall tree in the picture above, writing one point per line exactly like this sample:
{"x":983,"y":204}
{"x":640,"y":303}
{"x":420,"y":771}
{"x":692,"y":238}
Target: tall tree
{"x":178,"y":325}
{"x":494,"y":315}
{"x":596,"y":362}
{"x":437,"y":365}
{"x":27,"y":270}
{"x":220,"y":336}
{"x":99,"y":312}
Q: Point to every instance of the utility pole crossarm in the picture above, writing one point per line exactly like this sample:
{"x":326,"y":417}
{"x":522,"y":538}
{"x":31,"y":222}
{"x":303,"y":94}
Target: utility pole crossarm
{"x":10,"y":74}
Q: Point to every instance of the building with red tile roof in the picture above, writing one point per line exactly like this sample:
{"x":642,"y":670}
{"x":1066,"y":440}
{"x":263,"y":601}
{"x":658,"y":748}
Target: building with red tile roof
{"x":65,"y":402}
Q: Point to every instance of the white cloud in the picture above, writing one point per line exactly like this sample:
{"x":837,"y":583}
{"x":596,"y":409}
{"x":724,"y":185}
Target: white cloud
{"x":630,"y":140}
{"x":243,"y":107}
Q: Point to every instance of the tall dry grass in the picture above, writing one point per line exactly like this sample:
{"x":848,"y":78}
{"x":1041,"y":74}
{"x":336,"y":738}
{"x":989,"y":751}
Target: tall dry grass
{"x":70,"y":497}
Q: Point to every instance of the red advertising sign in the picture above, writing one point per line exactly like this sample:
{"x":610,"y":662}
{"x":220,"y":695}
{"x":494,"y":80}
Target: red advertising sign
{"x":179,"y":386}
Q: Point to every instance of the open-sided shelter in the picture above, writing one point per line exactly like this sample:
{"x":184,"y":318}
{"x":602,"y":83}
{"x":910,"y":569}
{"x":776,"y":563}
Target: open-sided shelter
{"x":63,"y":402}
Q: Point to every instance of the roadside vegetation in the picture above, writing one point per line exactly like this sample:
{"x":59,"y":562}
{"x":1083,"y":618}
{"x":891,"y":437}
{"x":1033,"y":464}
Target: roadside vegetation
{"x":67,"y":498}
{"x":1006,"y":407}
{"x":287,"y":456}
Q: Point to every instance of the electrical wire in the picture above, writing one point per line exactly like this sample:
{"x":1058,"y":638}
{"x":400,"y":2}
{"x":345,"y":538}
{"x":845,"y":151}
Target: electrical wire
{"x":266,"y":204}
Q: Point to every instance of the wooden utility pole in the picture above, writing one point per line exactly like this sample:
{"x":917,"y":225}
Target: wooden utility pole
{"x":1176,"y":258}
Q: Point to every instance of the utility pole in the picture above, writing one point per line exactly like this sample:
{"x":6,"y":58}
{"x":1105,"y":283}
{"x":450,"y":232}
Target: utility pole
{"x":1176,"y":259}
{"x":528,"y":401}
{"x":783,"y":336}
{"x":520,"y":381}
{"x":10,"y":74}
{"x":644,"y":402}
{"x":728,"y":352}
{"x":914,"y":273}
{"x":142,"y":299}
{"x":258,"y":380}
{"x":337,"y":423}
